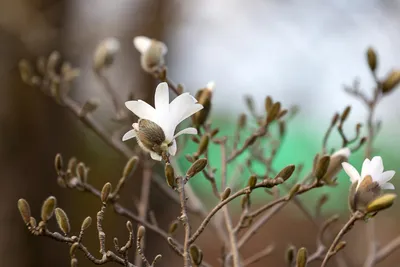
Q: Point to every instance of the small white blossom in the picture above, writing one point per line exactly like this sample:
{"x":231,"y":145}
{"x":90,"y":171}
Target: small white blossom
{"x":152,"y":52}
{"x":155,"y":130}
{"x":372,"y":168}
{"x":105,"y":53}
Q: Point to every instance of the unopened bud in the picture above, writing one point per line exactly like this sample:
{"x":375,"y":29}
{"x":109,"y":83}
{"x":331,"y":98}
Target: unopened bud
{"x":32,"y":222}
{"x":322,"y":167}
{"x":152,"y":52}
{"x":129,"y":166}
{"x":268,"y":103}
{"x":345,"y":114}
{"x":105,"y":192}
{"x":62,"y":221}
{"x":53,"y":61}
{"x":286,"y":172}
{"x":225,"y":194}
{"x":74,"y":262}
{"x":105,"y":53}
{"x":273,"y":112}
{"x":73,"y":248}
{"x":81,"y":172}
{"x":203,"y":144}
{"x":141,"y":231}
{"x":340,"y":246}
{"x":204,"y":98}
{"x":86,"y":223}
{"x":173,"y":227}
{"x":380,"y":203}
{"x":196,"y":255}
{"x":26,"y":71}
{"x":58,"y":163}
{"x":290,"y":255}
{"x":196,"y":167}
{"x":25,"y":210}
{"x":48,"y":208}
{"x":372,"y":59}
{"x":242,"y":120}
{"x":301,"y":259}
{"x":150,"y":135}
{"x":169,"y":175}
{"x":391,"y":82}
{"x":252,"y":181}
{"x":335,"y":118}
{"x":129,"y":226}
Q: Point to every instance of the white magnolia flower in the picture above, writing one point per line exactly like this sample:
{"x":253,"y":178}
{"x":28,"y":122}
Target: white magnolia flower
{"x":152,"y":52}
{"x":155,"y":130}
{"x":373,"y":171}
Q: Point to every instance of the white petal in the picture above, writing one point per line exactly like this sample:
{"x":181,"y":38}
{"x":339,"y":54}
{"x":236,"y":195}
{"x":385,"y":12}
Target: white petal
{"x":387,"y":186}
{"x":376,"y":167}
{"x":365,"y":169}
{"x":164,"y":48}
{"x":351,"y":172}
{"x":142,"y":110}
{"x":189,"y":130}
{"x":112,"y":45}
{"x":128,"y":135}
{"x":142,"y":43}
{"x":155,"y":156}
{"x":386,"y":176}
{"x":172,"y":149}
{"x":183,"y":107}
{"x":161,"y":99}
{"x":344,"y":152}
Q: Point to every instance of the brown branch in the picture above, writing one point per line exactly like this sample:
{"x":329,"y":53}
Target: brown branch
{"x":388,"y":249}
{"x":258,"y":256}
{"x":185,"y":221}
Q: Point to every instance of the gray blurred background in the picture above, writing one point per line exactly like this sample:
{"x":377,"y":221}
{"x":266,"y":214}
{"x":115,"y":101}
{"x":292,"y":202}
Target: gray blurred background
{"x":300,"y":52}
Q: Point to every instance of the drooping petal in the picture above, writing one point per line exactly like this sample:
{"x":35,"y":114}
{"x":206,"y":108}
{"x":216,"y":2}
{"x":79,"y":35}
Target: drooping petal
{"x":142,"y":43}
{"x":155,"y":156}
{"x":142,"y":109}
{"x":172,"y":149}
{"x":351,"y":172}
{"x":376,"y":167}
{"x":161,"y":99}
{"x":387,"y":186}
{"x":386,"y":176}
{"x":189,"y":130}
{"x":128,"y":135}
{"x":365,"y":169}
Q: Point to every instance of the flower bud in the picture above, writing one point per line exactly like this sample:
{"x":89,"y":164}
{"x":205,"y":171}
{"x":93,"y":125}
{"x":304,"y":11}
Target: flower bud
{"x":252,"y":181}
{"x":150,"y":135}
{"x":286,"y":172}
{"x":105,"y":53}
{"x":367,"y":191}
{"x":380,"y":203}
{"x":335,"y":164}
{"x":105,"y":192}
{"x":196,"y":167}
{"x":48,"y":208}
{"x":86,"y":223}
{"x":196,"y":255}
{"x":173,"y":227}
{"x":322,"y":167}
{"x":169,"y":175}
{"x":25,"y":210}
{"x":141,"y":231}
{"x":62,"y":221}
{"x":391,"y":82}
{"x":152,"y":52}
{"x":372,"y":59}
{"x":129,"y":166}
{"x":301,"y":259}
{"x":26,"y":71}
{"x":225,"y":194}
{"x":273,"y":112}
{"x":203,"y":96}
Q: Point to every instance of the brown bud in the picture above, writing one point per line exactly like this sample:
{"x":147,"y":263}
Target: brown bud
{"x":173,"y":227}
{"x":25,"y":70}
{"x":286,"y":172}
{"x":301,"y":259}
{"x":86,"y":223}
{"x":25,"y":210}
{"x":169,"y":175}
{"x":89,"y":106}
{"x":252,"y":181}
{"x":294,"y":191}
{"x":274,"y":112}
{"x":74,"y":262}
{"x":345,"y":114}
{"x":153,"y":57}
{"x":352,"y":197}
{"x":268,"y":103}
{"x":196,"y":255}
{"x":225,"y":194}
{"x":391,"y":82}
{"x":81,"y":172}
{"x":289,"y":255}
{"x":141,"y":231}
{"x":204,"y":98}
{"x":371,"y":59}
{"x":195,"y":139}
{"x":322,"y":167}
{"x":282,"y":129}
{"x":58,"y":163}
{"x":48,"y":208}
{"x":203,"y":144}
{"x":129,"y":166}
{"x":196,"y":167}
{"x":242,"y":120}
{"x":340,"y":246}
{"x":380,"y":203}
{"x":105,"y":192}
{"x":72,"y":165}
{"x":150,"y":135}
{"x":129,"y":226}
{"x":214,"y":132}
{"x":73,"y":248}
{"x":282,"y":113}
{"x":189,"y":158}
{"x":335,"y":118}
{"x":62,"y":221}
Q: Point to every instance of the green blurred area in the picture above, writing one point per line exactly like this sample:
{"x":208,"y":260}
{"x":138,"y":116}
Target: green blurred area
{"x":302,"y":141}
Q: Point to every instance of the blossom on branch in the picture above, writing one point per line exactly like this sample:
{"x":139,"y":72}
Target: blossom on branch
{"x":155,"y":130}
{"x":152,"y":52}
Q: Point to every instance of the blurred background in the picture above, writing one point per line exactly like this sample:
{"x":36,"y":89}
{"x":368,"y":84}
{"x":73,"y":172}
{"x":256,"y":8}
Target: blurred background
{"x":299,"y":52}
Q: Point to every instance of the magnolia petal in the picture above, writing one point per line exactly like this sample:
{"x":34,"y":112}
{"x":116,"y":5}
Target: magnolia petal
{"x":344,"y":152}
{"x":142,"y":109}
{"x":376,"y":167}
{"x":161,"y":99}
{"x":164,"y":48}
{"x":387,"y":186}
{"x":189,"y":130}
{"x":386,"y":176}
{"x":365,"y":169}
{"x":128,"y":135}
{"x":183,"y":107}
{"x":155,"y":156}
{"x":172,"y":149}
{"x":351,"y":172}
{"x":142,"y":43}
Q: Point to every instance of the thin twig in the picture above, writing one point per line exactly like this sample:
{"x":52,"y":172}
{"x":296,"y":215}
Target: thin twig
{"x":185,"y":221}
{"x":259,"y":255}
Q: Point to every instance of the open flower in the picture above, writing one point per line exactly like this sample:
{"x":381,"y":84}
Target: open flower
{"x":152,"y":52}
{"x":367,"y":186}
{"x":155,"y":130}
